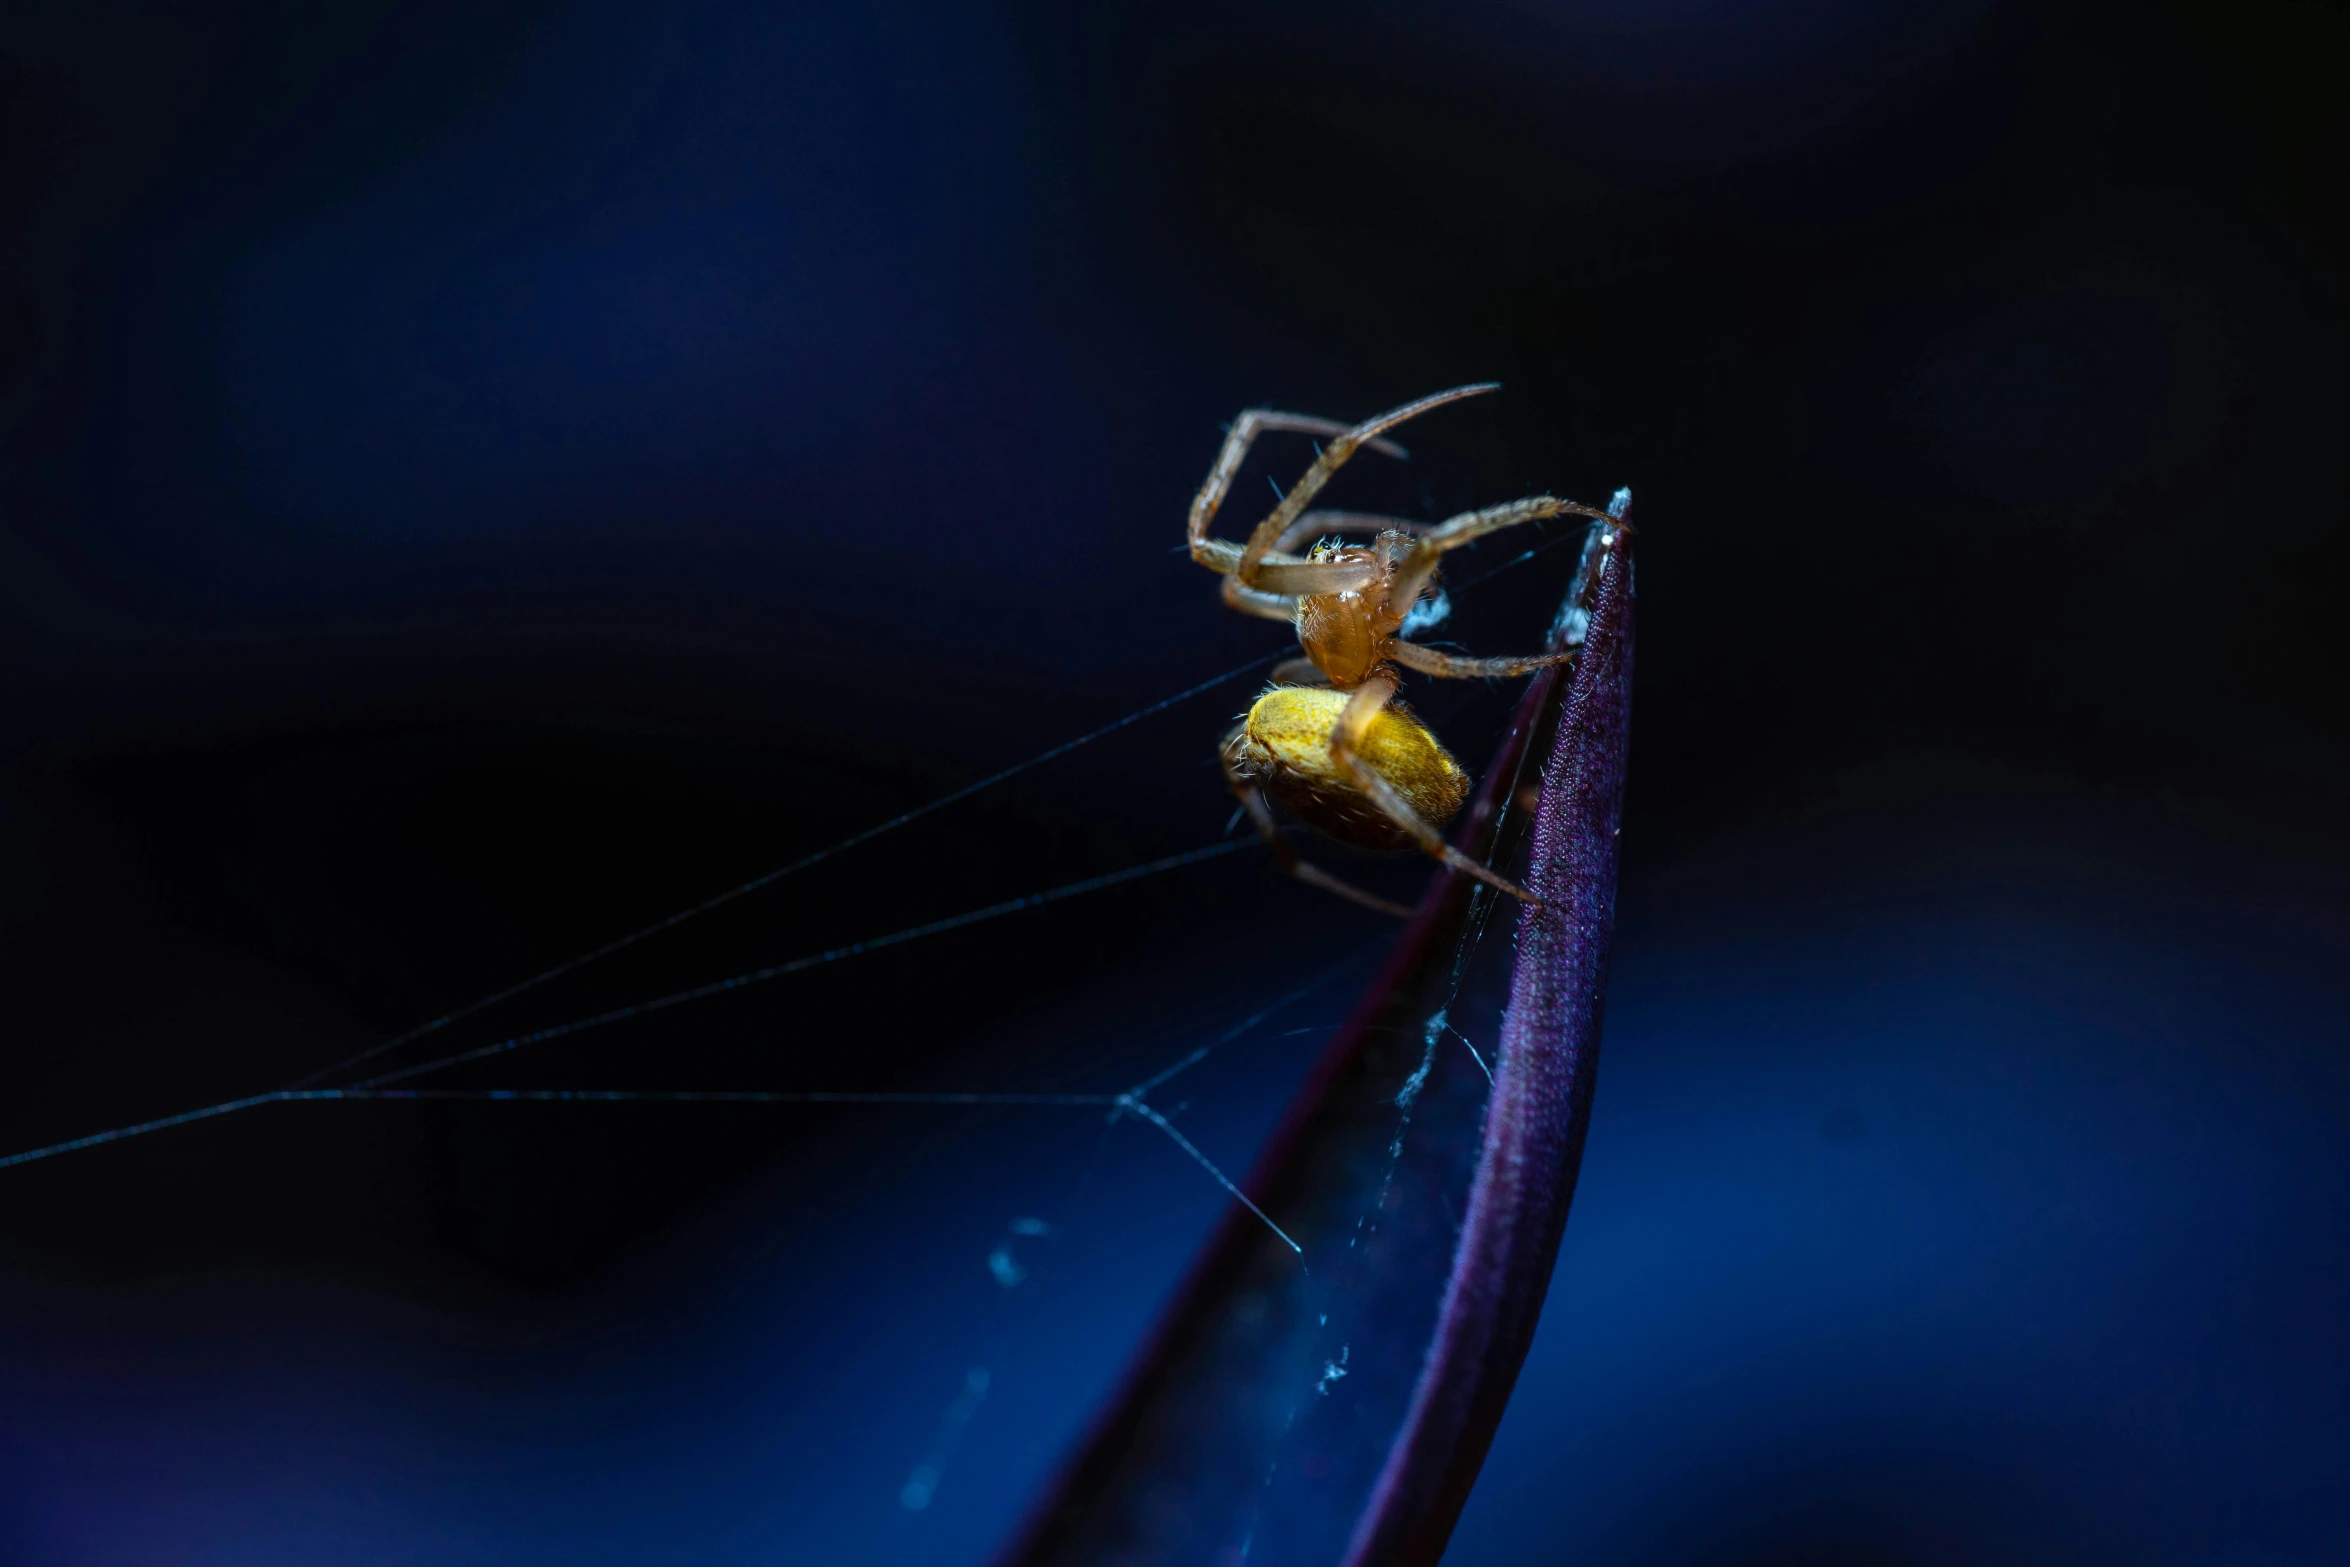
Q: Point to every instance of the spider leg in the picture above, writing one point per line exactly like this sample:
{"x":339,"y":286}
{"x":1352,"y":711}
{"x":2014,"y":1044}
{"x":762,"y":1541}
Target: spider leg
{"x":1353,"y":724}
{"x":1263,"y":605}
{"x":1284,"y":573}
{"x":1454,"y":532}
{"x":1333,"y":457}
{"x":1245,"y":430}
{"x":1451,"y":666}
{"x":1411,"y":578}
{"x":1295,"y":576}
{"x":1252,"y":800}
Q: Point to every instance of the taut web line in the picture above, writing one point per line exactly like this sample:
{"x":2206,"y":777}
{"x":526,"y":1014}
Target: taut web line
{"x":302,"y":1090}
{"x":1131,"y":1101}
{"x":768,"y":879}
{"x":864,"y":836}
{"x":378,"y":1086}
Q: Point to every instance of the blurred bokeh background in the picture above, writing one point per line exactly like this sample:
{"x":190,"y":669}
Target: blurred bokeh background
{"x":474,"y":479}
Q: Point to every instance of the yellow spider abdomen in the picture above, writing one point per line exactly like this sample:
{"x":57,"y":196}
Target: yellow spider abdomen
{"x":1284,"y":748}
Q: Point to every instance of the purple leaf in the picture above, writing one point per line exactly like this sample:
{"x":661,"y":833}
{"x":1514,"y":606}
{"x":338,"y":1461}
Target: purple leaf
{"x":1335,"y":1403}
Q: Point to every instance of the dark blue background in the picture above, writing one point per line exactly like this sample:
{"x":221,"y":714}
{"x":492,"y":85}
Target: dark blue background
{"x":475,"y":479}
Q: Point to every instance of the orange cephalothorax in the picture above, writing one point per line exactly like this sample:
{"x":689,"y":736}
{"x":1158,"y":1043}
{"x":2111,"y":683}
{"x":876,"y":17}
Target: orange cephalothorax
{"x":1347,"y":633}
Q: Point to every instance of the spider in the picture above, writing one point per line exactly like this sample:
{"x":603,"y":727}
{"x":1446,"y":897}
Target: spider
{"x":1328,"y":738}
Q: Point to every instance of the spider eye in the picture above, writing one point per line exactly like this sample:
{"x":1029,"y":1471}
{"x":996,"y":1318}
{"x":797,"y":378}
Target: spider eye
{"x":1431,"y":610}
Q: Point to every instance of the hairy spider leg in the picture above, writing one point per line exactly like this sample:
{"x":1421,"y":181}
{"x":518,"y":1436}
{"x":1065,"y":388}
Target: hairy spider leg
{"x":1252,"y":423}
{"x":1345,"y":748}
{"x":1429,"y":547}
{"x":1253,"y":583}
{"x":1268,"y":595}
{"x":1265,"y":606}
{"x":1452,"y":666}
{"x":1326,"y":464}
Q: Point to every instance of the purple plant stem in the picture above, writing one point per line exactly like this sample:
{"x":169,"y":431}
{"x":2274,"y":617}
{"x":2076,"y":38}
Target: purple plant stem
{"x":1540,"y":1110}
